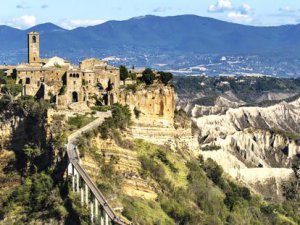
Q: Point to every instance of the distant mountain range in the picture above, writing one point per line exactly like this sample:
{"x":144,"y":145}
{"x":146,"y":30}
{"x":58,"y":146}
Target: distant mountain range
{"x":180,"y":43}
{"x":187,"y":33}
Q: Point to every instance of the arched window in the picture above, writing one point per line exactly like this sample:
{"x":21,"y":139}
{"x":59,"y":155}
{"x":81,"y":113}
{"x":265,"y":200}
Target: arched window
{"x":33,"y":39}
{"x":74,"y":96}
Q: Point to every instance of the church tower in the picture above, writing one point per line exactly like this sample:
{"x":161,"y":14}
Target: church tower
{"x":34,"y":48}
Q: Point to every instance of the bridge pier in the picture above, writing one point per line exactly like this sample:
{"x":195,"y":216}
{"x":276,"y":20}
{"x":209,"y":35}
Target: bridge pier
{"x":92,"y":212}
{"x":106,"y":218}
{"x":82,"y":196}
{"x":73,"y":183}
{"x":101,"y":216}
{"x":70,"y":169}
{"x":86,"y":195}
{"x":77,"y":182}
{"x":96,"y":209}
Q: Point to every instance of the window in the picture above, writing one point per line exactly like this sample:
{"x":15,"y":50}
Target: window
{"x":27,"y":80}
{"x":74,"y":82}
{"x":33,"y":39}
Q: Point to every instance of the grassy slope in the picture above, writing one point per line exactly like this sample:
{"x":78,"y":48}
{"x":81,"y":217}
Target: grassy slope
{"x":190,"y":191}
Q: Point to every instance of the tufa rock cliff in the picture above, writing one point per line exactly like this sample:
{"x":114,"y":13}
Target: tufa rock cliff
{"x":155,"y":104}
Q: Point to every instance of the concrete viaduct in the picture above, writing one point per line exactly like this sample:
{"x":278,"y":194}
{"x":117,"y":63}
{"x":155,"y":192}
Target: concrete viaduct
{"x":90,"y":196}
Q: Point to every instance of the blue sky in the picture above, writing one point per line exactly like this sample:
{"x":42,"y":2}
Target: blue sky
{"x":73,"y":13}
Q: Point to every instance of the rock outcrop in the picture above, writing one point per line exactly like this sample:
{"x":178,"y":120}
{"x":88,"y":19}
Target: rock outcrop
{"x":155,"y":103}
{"x":257,"y":144}
{"x":7,"y":128}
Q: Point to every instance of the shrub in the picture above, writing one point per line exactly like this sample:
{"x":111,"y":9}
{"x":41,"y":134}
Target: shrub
{"x":148,"y":76}
{"x":212,"y":147}
{"x":79,"y":121}
{"x":162,"y":156}
{"x":103,"y":108}
{"x":12,"y":89}
{"x":121,"y":119}
{"x":151,"y":168}
{"x":41,"y":187}
{"x":137,"y":112}
{"x":33,"y":193}
{"x":131,"y":87}
{"x":165,"y":77}
{"x":144,"y":212}
{"x":133,"y":76}
{"x":214,"y":172}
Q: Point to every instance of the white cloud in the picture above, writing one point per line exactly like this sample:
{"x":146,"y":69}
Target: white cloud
{"x":21,"y":22}
{"x":71,"y":24}
{"x":220,"y":6}
{"x":239,"y":17}
{"x":287,"y":9}
{"x":245,"y":9}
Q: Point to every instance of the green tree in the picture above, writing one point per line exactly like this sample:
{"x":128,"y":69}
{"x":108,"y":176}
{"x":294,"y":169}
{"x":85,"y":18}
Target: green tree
{"x":123,"y":73}
{"x":40,"y":191}
{"x":165,"y":77}
{"x":12,"y":89}
{"x":148,"y":76}
{"x":31,"y":152}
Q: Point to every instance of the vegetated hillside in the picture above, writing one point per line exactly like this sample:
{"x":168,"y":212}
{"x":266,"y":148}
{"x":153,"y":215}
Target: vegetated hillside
{"x":184,"y":189}
{"x":260,"y":91}
{"x":186,"y":33}
{"x":188,"y":190}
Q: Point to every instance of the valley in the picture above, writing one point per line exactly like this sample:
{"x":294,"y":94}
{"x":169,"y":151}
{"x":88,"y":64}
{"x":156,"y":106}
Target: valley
{"x":251,"y":128}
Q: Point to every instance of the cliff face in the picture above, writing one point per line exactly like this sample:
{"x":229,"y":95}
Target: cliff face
{"x":6,"y":130}
{"x":156,"y":104}
{"x":257,"y":145}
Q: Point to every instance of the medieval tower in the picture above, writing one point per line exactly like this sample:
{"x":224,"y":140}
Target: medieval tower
{"x":34,"y":48}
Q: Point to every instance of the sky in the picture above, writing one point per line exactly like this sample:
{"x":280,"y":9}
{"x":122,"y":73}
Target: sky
{"x":70,"y":14}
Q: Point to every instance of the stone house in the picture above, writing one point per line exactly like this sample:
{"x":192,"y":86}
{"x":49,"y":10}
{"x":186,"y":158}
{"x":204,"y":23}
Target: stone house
{"x":62,"y":83}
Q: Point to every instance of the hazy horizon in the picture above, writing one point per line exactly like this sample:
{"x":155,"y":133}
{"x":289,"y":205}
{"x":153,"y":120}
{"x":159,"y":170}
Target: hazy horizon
{"x":143,"y":16}
{"x":23,"y":14}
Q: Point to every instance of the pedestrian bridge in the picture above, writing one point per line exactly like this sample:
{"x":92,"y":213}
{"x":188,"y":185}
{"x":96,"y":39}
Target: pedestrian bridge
{"x":90,"y":196}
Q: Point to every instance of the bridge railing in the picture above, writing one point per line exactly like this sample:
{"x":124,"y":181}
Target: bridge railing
{"x":76,"y":171}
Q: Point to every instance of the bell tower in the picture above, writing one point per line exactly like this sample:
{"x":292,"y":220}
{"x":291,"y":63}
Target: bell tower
{"x":34,"y":48}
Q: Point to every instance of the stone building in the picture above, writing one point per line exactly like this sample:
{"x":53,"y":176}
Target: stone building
{"x":62,"y":83}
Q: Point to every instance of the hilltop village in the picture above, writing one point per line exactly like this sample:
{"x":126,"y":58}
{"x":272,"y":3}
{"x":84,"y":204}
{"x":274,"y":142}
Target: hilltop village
{"x":91,"y":83}
{"x":62,"y":83}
